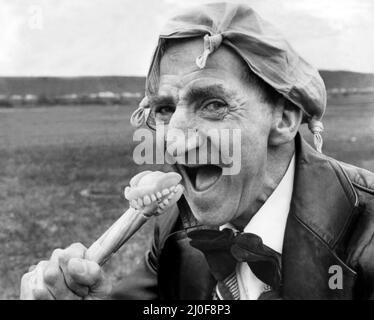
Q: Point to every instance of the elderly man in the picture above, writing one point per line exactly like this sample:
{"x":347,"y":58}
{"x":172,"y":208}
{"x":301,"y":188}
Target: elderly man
{"x":293,"y":224}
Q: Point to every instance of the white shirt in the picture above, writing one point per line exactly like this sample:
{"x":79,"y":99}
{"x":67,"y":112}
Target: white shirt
{"x":269,"y":223}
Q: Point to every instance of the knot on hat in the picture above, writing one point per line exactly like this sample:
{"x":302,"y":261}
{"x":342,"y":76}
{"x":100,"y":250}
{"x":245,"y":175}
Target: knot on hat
{"x":316,"y":127}
{"x":211,"y":43}
{"x":140,"y":115}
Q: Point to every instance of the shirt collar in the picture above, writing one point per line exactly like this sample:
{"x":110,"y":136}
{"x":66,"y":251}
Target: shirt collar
{"x":269,"y":222}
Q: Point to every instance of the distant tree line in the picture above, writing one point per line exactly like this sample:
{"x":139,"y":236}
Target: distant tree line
{"x":348,"y":91}
{"x":101,"y":98}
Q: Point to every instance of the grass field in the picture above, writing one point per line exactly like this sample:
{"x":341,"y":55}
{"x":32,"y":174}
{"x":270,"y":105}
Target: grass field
{"x":48,"y":155}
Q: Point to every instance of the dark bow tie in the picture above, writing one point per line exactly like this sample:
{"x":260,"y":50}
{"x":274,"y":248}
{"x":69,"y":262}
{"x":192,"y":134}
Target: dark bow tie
{"x":224,"y":249}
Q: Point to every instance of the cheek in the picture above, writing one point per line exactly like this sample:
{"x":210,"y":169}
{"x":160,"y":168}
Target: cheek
{"x":254,"y":145}
{"x":254,"y":135}
{"x":256,"y":129}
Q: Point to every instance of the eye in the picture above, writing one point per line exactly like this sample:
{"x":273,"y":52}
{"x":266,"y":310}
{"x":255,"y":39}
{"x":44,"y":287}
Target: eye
{"x":214,"y":108}
{"x":164,"y":113}
{"x":165,"y":110}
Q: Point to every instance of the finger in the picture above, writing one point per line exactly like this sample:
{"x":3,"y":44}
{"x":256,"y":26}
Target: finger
{"x":55,"y":283}
{"x":27,"y":282}
{"x":102,"y":289}
{"x":90,"y":274}
{"x":32,"y":285}
{"x":84,"y":272}
{"x":62,"y":257}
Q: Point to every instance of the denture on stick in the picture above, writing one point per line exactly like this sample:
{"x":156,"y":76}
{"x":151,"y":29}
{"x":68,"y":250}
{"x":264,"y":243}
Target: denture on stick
{"x":152,"y":192}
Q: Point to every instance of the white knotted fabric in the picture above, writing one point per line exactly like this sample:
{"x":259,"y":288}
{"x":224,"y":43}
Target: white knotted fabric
{"x":316,"y":127}
{"x":140,"y":115}
{"x":211,"y":43}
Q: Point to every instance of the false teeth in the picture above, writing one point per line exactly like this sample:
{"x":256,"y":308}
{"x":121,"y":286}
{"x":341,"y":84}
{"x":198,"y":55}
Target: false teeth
{"x":154,"y":192}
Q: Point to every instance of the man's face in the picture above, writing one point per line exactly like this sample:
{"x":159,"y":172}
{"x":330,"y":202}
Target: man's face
{"x":216,"y":97}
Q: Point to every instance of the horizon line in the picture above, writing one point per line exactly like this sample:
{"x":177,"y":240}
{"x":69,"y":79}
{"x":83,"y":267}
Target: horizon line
{"x":143,"y":76}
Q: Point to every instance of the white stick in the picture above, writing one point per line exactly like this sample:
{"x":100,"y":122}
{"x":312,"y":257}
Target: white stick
{"x":121,"y":231}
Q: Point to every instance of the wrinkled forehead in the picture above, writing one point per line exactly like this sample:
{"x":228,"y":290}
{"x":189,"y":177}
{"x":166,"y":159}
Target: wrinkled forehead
{"x":178,"y":62}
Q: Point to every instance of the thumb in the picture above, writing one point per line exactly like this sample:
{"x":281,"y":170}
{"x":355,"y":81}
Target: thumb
{"x":89,"y":273}
{"x":84,"y":272}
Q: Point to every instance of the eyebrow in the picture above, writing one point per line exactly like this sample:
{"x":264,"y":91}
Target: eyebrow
{"x":155,"y":100}
{"x":193,"y":94}
{"x":206,"y":92}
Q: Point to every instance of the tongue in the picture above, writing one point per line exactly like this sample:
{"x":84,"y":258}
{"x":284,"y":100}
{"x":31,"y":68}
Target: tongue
{"x":206,"y":176}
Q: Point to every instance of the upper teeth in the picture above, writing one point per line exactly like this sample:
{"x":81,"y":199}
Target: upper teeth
{"x":147,"y":200}
{"x":165,"y":192}
{"x":152,"y":198}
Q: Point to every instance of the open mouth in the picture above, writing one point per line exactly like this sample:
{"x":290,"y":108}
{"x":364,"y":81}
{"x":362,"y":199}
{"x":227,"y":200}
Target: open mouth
{"x":201,"y":177}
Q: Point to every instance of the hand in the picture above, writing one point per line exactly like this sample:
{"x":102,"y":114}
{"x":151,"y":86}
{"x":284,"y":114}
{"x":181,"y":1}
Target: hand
{"x":66,"y":275}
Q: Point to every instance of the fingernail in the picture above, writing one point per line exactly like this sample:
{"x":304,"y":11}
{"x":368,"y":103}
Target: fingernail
{"x":78,"y":266}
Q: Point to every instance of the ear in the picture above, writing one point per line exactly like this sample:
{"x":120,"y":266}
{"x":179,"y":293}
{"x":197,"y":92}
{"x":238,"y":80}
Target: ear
{"x":286,"y":122}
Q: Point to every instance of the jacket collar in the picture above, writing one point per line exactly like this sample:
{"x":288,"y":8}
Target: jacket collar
{"x":323,"y":205}
{"x":323,"y":197}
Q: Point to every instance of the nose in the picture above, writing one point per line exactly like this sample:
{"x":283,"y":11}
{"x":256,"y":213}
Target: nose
{"x":181,"y":118}
{"x":182,"y":136}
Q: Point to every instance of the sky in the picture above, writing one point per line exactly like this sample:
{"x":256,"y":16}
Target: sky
{"x":117,"y":37}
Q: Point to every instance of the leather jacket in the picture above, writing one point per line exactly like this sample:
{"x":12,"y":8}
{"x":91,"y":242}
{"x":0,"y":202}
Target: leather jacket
{"x":330,"y":223}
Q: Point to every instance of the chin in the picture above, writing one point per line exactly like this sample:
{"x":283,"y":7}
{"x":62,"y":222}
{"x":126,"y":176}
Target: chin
{"x":213,"y":198}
